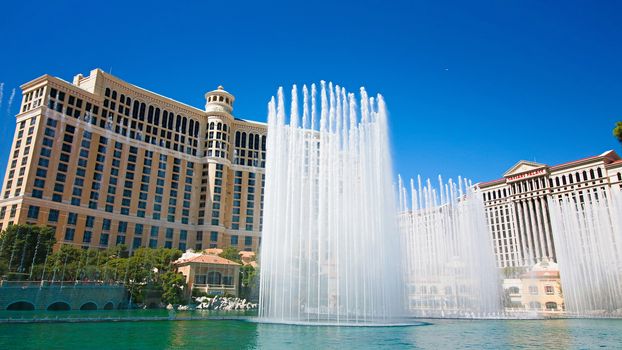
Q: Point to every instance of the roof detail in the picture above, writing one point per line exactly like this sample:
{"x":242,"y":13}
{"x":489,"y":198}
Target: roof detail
{"x":206,"y":259}
{"x":608,"y":157}
{"x":522,"y":167}
{"x":491,"y":183}
{"x":615,"y":164}
{"x":526,"y":168}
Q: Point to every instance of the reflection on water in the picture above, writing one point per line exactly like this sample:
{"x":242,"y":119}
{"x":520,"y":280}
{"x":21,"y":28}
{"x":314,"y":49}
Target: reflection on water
{"x":218,"y":334}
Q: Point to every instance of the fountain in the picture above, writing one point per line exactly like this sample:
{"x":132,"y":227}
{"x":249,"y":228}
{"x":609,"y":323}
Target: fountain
{"x":330,"y":245}
{"x":449,"y":263}
{"x":587,"y":230}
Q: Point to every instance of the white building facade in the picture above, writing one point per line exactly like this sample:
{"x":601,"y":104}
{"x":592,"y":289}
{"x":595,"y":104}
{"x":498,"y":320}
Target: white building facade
{"x":517,"y":204}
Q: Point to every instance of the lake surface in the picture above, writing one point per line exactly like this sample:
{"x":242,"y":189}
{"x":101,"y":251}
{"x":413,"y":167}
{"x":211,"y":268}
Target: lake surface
{"x":241,"y":334}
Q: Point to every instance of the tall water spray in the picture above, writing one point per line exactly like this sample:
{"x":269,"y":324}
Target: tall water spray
{"x":587,"y":230}
{"x":450,"y":265}
{"x":330,"y":243}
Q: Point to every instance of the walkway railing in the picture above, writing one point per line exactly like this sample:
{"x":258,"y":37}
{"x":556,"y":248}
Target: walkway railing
{"x":46,"y":283}
{"x":214,"y":286}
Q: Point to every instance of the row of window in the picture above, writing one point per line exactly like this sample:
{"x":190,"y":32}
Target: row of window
{"x":14,"y":160}
{"x":540,"y":183}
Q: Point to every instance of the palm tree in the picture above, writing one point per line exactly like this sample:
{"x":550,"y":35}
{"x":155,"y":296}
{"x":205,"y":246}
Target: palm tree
{"x":617,"y":131}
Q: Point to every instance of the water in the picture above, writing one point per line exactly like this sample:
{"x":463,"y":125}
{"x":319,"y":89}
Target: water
{"x":587,"y":229}
{"x":330,"y":244}
{"x":449,"y":260}
{"x":216,"y":334}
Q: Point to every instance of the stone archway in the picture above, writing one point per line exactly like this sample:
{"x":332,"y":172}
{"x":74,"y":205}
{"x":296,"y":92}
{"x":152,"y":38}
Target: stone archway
{"x":59,"y":306}
{"x":89,"y":306}
{"x":21,"y":306}
{"x":109,"y":306}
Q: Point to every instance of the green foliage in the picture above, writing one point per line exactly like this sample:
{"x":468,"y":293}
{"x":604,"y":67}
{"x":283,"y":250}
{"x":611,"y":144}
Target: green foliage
{"x":248,"y":273}
{"x":617,"y":131}
{"x":145,"y":268}
{"x":513,"y":272}
{"x":231,"y":253}
{"x":22,"y":246}
{"x":26,"y":253}
{"x":196,"y":293}
{"x":173,"y":285}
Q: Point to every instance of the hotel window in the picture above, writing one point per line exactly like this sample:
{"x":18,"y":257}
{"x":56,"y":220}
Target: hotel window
{"x":248,"y":240}
{"x":535,"y":305}
{"x":137,"y":242}
{"x":549,"y":290}
{"x":69,"y":233}
{"x":33,"y":212}
{"x":89,"y":221}
{"x":53,"y":215}
{"x":533,"y":290}
{"x":551,"y":305}
{"x":72,"y":218}
{"x":214,"y":236}
{"x":103,"y":239}
{"x":234,"y":240}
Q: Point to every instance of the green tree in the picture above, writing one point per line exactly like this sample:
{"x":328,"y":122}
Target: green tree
{"x":248,"y":273}
{"x":617,"y":131}
{"x":63,"y":264}
{"x":513,"y":272}
{"x":23,"y":246}
{"x":143,"y":270}
{"x":231,"y":253}
{"x":173,"y":285}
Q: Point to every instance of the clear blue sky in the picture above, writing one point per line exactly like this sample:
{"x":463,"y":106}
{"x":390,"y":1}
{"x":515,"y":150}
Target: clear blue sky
{"x":472,"y":86}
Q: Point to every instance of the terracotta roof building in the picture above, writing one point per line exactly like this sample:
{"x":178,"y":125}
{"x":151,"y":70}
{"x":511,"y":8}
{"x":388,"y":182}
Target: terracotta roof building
{"x":209,"y":273}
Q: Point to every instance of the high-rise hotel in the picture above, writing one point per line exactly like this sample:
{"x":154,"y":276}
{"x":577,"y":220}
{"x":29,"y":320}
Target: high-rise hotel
{"x":105,"y":162}
{"x":517,"y":205}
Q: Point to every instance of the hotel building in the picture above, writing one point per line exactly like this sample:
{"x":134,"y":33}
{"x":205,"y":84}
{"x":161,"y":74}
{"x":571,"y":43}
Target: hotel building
{"x":104,"y":162}
{"x":517,"y":204}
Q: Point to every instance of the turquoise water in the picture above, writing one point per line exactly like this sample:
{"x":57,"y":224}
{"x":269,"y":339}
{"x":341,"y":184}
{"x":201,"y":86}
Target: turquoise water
{"x":228,"y":334}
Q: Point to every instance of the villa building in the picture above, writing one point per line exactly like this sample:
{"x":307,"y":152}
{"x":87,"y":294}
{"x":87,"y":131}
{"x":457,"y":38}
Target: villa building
{"x":538,"y":289}
{"x":104,"y":162}
{"x":209,"y":273}
{"x":517,"y":204}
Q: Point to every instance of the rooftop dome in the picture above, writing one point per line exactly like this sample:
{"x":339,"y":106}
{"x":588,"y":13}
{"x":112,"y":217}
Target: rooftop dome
{"x":219,"y":101}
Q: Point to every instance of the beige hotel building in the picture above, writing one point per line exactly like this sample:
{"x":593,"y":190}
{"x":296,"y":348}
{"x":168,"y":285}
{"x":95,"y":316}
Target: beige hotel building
{"x":105,"y":162}
{"x":517,"y":208}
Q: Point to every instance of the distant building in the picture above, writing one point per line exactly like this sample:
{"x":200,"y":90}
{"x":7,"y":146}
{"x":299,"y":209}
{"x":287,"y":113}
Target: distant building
{"x":209,"y":273}
{"x":105,"y":162}
{"x":538,"y":289}
{"x":517,"y":208}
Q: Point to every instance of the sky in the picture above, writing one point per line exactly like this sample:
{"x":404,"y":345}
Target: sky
{"x":472,"y":87}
